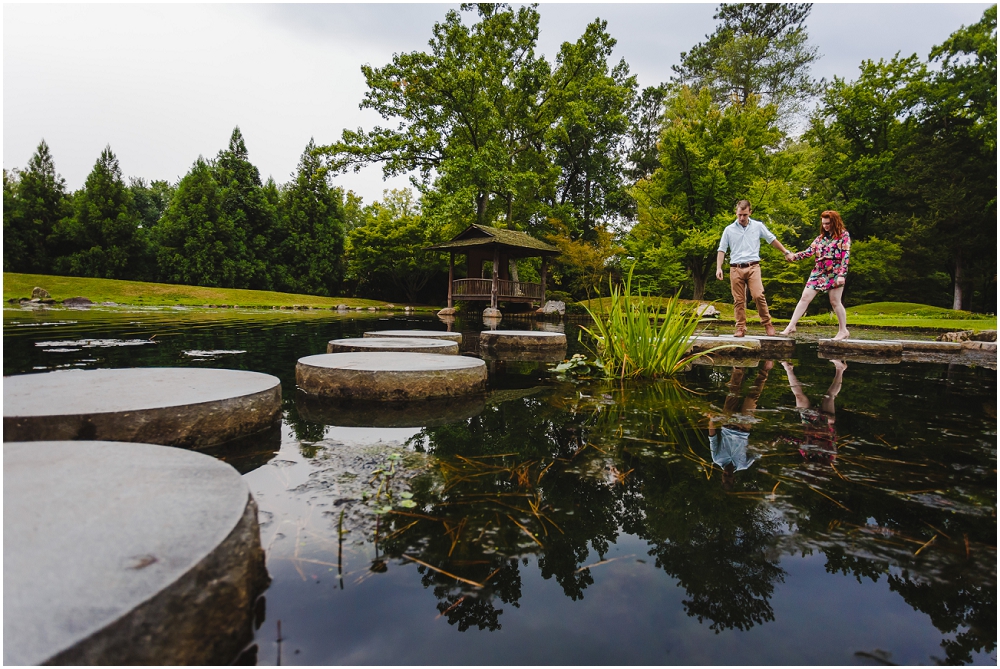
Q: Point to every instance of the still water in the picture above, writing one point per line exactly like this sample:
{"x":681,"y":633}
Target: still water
{"x":573,"y":520}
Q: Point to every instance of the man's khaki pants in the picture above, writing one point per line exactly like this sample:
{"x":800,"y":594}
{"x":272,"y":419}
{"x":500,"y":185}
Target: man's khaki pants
{"x":739,"y":279}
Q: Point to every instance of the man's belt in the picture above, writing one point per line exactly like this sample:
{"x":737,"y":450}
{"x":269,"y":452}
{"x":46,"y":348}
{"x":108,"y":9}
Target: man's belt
{"x":744,"y":265}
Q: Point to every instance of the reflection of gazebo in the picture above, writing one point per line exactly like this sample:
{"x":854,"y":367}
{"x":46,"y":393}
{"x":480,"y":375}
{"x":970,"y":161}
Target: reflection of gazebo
{"x":481,"y":244}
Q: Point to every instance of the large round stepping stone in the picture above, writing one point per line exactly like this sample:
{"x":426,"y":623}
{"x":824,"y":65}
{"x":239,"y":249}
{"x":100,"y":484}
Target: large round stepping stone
{"x":390,"y":376}
{"x":551,"y":354}
{"x":872,"y":347}
{"x":521,"y":340}
{"x":174,"y":406}
{"x":393,"y":344}
{"x":415,"y":413}
{"x":420,"y":334}
{"x":125,"y":553}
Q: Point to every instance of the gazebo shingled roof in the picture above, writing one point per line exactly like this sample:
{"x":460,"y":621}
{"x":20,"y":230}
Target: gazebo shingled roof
{"x":480,"y":235}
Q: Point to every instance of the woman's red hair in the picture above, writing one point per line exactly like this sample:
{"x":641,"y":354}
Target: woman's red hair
{"x":836,"y":223}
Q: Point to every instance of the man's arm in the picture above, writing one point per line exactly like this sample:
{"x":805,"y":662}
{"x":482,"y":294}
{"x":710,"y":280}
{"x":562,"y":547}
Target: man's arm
{"x":778,"y":245}
{"x":720,"y":256}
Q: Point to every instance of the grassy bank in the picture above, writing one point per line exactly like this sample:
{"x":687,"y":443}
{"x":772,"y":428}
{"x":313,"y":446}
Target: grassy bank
{"x":141,"y":293}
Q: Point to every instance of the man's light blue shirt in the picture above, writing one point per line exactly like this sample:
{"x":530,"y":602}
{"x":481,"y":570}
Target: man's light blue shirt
{"x":730,"y":446}
{"x":742,"y":243}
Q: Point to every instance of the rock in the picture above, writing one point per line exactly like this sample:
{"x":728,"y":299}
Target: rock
{"x":39,"y":293}
{"x":447,"y":311}
{"x":490,"y":312}
{"x":984,"y":335}
{"x":342,"y":307}
{"x":76,"y":302}
{"x":554,"y":306}
{"x":390,"y":306}
{"x":109,"y":304}
{"x":707,"y":310}
{"x":372,"y":308}
{"x":979,"y":346}
{"x":359,"y":308}
{"x":964,"y":335}
{"x":540,"y":311}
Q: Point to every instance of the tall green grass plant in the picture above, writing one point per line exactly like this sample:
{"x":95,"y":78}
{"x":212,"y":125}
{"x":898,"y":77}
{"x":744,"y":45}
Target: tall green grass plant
{"x":637,"y":335}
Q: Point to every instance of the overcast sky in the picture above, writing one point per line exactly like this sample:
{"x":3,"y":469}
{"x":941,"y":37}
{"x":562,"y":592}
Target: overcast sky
{"x":163,"y":84}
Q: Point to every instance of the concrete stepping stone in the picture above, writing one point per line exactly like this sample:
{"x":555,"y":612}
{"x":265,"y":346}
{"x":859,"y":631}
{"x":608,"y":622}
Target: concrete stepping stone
{"x":930,"y":346}
{"x":420,"y":334}
{"x":174,"y":406}
{"x":126,"y":553}
{"x":393,"y":344}
{"x":769,"y":346}
{"x":416,"y":413}
{"x":521,"y":340}
{"x":390,"y":376}
{"x":980,"y":346}
{"x":550,"y":354}
{"x":750,"y":346}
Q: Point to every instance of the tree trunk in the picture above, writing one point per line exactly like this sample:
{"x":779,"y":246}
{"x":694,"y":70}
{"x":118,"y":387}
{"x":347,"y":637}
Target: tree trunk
{"x":481,"y":199}
{"x":956,"y":302}
{"x":699,"y":285}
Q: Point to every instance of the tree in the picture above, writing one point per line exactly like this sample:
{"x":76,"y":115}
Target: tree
{"x":588,"y":139}
{"x":251,"y":215}
{"x":583,"y":267}
{"x":101,"y":239}
{"x":312,"y":251}
{"x":757,"y":50}
{"x":387,"y":250}
{"x":33,"y":202}
{"x":195,"y":241}
{"x":469,"y":110}
{"x":710,"y":158}
{"x":644,"y":133}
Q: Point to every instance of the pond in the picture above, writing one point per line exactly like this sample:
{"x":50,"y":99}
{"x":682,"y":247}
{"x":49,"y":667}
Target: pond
{"x":582,"y":521}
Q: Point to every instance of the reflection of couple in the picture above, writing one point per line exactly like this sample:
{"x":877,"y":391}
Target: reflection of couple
{"x":729,"y":443}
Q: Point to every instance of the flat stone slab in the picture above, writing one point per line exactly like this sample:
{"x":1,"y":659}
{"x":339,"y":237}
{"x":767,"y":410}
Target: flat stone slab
{"x":520,"y":340}
{"x":750,"y":346}
{"x":930,"y":346}
{"x":884,"y":348}
{"x":390,"y":376}
{"x":125,"y":553}
{"x":174,"y":406}
{"x":393,"y":344}
{"x":768,"y":345}
{"x":990,"y":346}
{"x":416,"y":413}
{"x":419,"y":334}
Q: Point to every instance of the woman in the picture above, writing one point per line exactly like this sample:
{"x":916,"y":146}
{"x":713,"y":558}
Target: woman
{"x":833,"y":252}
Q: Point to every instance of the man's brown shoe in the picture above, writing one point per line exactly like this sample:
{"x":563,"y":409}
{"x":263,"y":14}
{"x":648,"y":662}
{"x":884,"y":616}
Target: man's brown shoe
{"x":769,"y":329}
{"x":741,"y":331}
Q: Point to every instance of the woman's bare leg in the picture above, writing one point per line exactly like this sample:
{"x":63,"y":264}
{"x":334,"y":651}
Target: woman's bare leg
{"x":838,"y":308}
{"x":831,"y":394}
{"x":801,"y":401}
{"x":807,"y":296}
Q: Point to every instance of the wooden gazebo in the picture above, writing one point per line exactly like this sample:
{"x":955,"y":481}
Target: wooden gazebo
{"x":480,"y":244}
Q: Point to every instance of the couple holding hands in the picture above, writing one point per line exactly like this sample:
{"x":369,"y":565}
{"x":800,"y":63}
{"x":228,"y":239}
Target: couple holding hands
{"x":832,"y":250}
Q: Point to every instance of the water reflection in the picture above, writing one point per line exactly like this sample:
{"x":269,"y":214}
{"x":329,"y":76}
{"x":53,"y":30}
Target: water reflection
{"x":559,"y":490}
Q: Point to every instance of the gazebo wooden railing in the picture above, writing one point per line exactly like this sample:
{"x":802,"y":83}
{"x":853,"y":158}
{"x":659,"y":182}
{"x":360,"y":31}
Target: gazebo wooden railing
{"x":508,"y":291}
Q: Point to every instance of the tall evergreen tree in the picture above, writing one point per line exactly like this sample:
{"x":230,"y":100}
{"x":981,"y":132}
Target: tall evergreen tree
{"x":34,"y":201}
{"x":250,"y":213}
{"x":102,"y":238}
{"x":312,"y":251}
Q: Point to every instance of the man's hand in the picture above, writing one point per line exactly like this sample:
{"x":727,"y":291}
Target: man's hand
{"x":789,"y":256}
{"x":718,"y":273}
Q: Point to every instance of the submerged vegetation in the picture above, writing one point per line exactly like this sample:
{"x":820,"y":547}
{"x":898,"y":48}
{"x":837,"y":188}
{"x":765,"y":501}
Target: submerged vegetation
{"x":640,"y":336}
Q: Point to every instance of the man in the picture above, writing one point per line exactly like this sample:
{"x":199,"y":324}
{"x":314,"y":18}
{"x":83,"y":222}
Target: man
{"x":742,"y":240}
{"x":729,"y":445}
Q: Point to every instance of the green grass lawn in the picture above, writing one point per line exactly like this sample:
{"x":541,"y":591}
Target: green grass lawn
{"x":141,"y":293}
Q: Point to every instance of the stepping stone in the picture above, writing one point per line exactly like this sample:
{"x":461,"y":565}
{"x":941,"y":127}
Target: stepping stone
{"x":930,"y":346}
{"x":520,"y":340}
{"x":885,"y":348}
{"x":750,"y":346}
{"x":174,"y":406}
{"x":416,"y":413}
{"x":390,"y":376}
{"x":126,"y":553}
{"x":549,"y":354}
{"x":776,"y":346}
{"x":980,"y":346}
{"x":393,"y":344}
{"x":421,"y":334}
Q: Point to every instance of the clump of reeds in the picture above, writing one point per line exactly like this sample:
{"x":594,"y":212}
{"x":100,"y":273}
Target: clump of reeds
{"x":638,"y":336}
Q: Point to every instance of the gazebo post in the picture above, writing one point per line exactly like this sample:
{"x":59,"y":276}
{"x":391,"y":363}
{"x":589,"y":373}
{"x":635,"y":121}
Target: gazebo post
{"x":451,"y":277}
{"x":545,"y":266}
{"x":496,"y":284}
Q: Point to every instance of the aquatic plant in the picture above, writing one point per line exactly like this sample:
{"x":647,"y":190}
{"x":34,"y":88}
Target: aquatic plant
{"x":638,"y":336}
